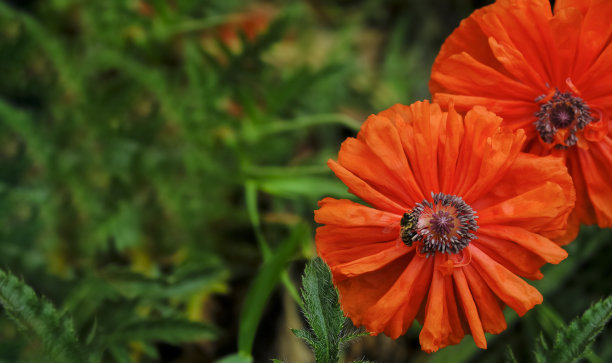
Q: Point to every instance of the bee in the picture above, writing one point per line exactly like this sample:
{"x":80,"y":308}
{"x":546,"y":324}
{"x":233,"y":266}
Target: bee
{"x":408,"y":228}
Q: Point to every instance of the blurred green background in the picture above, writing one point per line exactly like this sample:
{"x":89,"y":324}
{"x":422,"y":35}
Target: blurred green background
{"x":156,"y":156}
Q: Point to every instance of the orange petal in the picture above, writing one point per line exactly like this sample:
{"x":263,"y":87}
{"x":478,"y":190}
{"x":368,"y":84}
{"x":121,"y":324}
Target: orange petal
{"x":395,"y":311}
{"x":469,"y":308}
{"x":338,"y":245}
{"x":524,"y":26}
{"x":454,"y":318}
{"x":566,"y":41}
{"x":515,"y":258}
{"x":529,"y":172}
{"x":533,"y":210}
{"x":594,"y":35}
{"x":436,"y":328}
{"x":486,"y":153}
{"x":420,"y":142}
{"x":382,"y":137}
{"x":365,"y":191}
{"x":516,"y":64}
{"x":380,"y":255}
{"x":344,"y":212}
{"x":462,"y":74}
{"x":359,"y":293}
{"x":359,"y":159}
{"x":533,"y":242}
{"x":451,"y":137}
{"x":489,"y":306}
{"x":597,"y":171}
{"x":511,"y":289}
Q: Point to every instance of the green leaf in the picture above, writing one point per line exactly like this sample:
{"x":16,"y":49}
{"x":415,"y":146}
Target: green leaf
{"x":574,"y":342}
{"x":266,"y":280}
{"x":303,"y":186}
{"x":236,"y":358}
{"x":170,"y":330}
{"x":509,"y":356}
{"x":38,"y":316}
{"x":322,"y":311}
{"x":305,"y":335}
{"x":541,"y":349}
{"x":329,"y":327}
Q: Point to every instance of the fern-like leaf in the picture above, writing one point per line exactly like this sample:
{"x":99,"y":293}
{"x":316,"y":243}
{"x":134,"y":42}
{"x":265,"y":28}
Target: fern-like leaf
{"x":38,"y":316}
{"x":573,"y":342}
{"x":328,"y":325}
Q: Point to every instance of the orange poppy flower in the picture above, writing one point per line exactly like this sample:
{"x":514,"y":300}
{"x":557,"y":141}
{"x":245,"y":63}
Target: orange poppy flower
{"x":457,"y":216}
{"x":549,"y":73}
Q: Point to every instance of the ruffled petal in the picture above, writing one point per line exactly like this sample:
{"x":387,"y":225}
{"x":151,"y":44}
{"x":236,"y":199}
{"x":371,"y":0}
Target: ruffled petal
{"x":395,"y":311}
{"x":541,"y":246}
{"x":516,"y":64}
{"x":594,"y":35}
{"x":359,"y":293}
{"x":523,"y":25}
{"x":338,"y":245}
{"x":469,"y":308}
{"x":516,"y":114}
{"x":489,"y":305}
{"x":365,"y":191}
{"x":462,"y":74}
{"x":436,"y":328}
{"x":379,"y":255}
{"x":486,"y":153}
{"x":343,"y":212}
{"x":566,"y":41}
{"x":511,"y":289}
{"x":451,"y":137}
{"x":358,"y":158}
{"x":594,"y":83}
{"x":597,"y":165}
{"x":532,"y":210}
{"x":515,"y":258}
{"x":526,"y":197}
{"x":382,"y":137}
{"x":420,"y":142}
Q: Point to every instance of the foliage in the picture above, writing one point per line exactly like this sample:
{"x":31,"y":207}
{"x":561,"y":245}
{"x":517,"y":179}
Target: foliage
{"x":160,"y":162}
{"x":38,"y":316}
{"x":574,"y":341}
{"x":329,"y":330}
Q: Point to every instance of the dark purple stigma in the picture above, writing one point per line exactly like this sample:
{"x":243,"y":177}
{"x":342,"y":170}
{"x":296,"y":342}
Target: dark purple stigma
{"x":441,"y":222}
{"x":562,"y":111}
{"x":444,"y":225}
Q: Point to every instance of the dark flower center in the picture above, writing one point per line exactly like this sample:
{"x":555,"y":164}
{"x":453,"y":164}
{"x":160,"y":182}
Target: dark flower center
{"x":563,"y":114}
{"x":446,"y":225}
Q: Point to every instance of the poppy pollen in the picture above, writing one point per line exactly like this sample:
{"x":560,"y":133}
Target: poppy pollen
{"x":562,"y":111}
{"x":442,"y":226}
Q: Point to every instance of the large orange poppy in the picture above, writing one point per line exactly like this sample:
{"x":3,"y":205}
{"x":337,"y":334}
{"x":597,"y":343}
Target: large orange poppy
{"x":456,"y":216}
{"x":550,"y":74}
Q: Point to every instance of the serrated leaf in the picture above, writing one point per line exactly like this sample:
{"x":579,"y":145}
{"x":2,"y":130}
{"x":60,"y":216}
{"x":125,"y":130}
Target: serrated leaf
{"x":573,"y":342}
{"x":329,"y":330}
{"x":169,"y":330}
{"x":305,"y":335}
{"x":353,"y":335}
{"x":38,"y":316}
{"x":322,"y":311}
